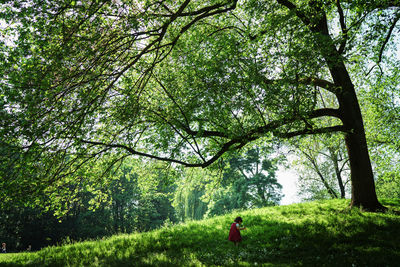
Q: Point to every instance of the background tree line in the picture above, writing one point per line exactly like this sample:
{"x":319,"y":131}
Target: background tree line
{"x":141,"y":196}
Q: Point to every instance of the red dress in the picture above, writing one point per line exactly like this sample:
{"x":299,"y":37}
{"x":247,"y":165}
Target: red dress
{"x":234,"y":234}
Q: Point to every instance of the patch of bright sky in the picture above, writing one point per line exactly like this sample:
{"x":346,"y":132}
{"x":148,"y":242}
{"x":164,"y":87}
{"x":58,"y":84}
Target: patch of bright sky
{"x":5,"y":36}
{"x":288,"y":178}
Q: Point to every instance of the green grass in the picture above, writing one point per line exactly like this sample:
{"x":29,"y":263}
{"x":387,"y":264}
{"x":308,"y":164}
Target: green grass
{"x":322,"y":233}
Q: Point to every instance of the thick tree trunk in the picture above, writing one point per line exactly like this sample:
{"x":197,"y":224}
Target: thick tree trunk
{"x":363,"y":187}
{"x":362,"y":180}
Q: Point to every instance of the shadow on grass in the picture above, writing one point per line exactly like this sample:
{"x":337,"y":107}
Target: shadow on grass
{"x":336,"y":243}
{"x":392,"y":204}
{"x":341,"y":241}
{"x":348,"y":238}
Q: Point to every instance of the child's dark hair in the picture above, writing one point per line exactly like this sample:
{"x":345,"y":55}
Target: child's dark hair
{"x":238,"y":220}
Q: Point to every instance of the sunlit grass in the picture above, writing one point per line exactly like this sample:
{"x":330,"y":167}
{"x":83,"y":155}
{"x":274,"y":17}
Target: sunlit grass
{"x":322,"y":233}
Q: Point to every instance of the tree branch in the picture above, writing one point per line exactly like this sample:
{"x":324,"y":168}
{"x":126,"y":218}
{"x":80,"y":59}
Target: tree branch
{"x":238,"y":141}
{"x":294,"y":8}
{"x":325,"y":112}
{"x":197,"y":12}
{"x":342,"y":26}
{"x":395,"y":20}
{"x":337,"y":128}
{"x":318,"y":171}
{"x":327,"y":85}
{"x":227,"y":146}
{"x":388,"y":35}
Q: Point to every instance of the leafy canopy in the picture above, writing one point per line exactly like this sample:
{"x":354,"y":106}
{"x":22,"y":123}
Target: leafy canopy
{"x":181,"y":81}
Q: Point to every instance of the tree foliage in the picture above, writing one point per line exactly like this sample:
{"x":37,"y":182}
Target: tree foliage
{"x":382,"y":113}
{"x":248,"y":181}
{"x":193,"y":192}
{"x":183,"y":81}
{"x":322,"y":164}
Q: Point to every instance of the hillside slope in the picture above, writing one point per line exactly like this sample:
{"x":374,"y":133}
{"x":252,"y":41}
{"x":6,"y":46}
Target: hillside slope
{"x":323,"y":233}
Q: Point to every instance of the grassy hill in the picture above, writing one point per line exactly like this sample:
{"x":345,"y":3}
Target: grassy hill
{"x":322,"y":233}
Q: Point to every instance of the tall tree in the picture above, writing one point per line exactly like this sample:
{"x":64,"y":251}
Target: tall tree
{"x":258,"y":173}
{"x":248,"y":181}
{"x":323,"y":166}
{"x":184,"y":81}
{"x":189,"y":196}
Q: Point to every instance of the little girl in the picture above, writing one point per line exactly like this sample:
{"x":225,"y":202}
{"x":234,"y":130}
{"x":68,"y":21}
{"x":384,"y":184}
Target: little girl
{"x":234,"y":233}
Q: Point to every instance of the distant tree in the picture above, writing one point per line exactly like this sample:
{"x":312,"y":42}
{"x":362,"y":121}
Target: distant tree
{"x":248,"y":182}
{"x":155,"y":185}
{"x":124,"y":197}
{"x":260,"y":179}
{"x":189,"y":202}
{"x":29,"y":226}
{"x":322,"y":165}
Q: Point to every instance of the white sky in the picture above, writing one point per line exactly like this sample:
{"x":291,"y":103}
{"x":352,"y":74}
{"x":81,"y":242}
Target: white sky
{"x":288,"y":178}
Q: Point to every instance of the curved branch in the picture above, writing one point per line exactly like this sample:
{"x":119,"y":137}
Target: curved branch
{"x":395,"y":20}
{"x":332,"y":129}
{"x":325,"y":112}
{"x":207,"y":14}
{"x":135,"y":152}
{"x":197,"y":12}
{"x":321,"y":176}
{"x":262,"y":130}
{"x":342,"y":26}
{"x":238,"y":141}
{"x":388,"y":35}
{"x":227,"y":146}
{"x":327,"y":85}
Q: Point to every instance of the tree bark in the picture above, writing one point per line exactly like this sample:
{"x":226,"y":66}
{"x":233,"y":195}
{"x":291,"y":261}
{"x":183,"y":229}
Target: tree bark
{"x":363,"y":192}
